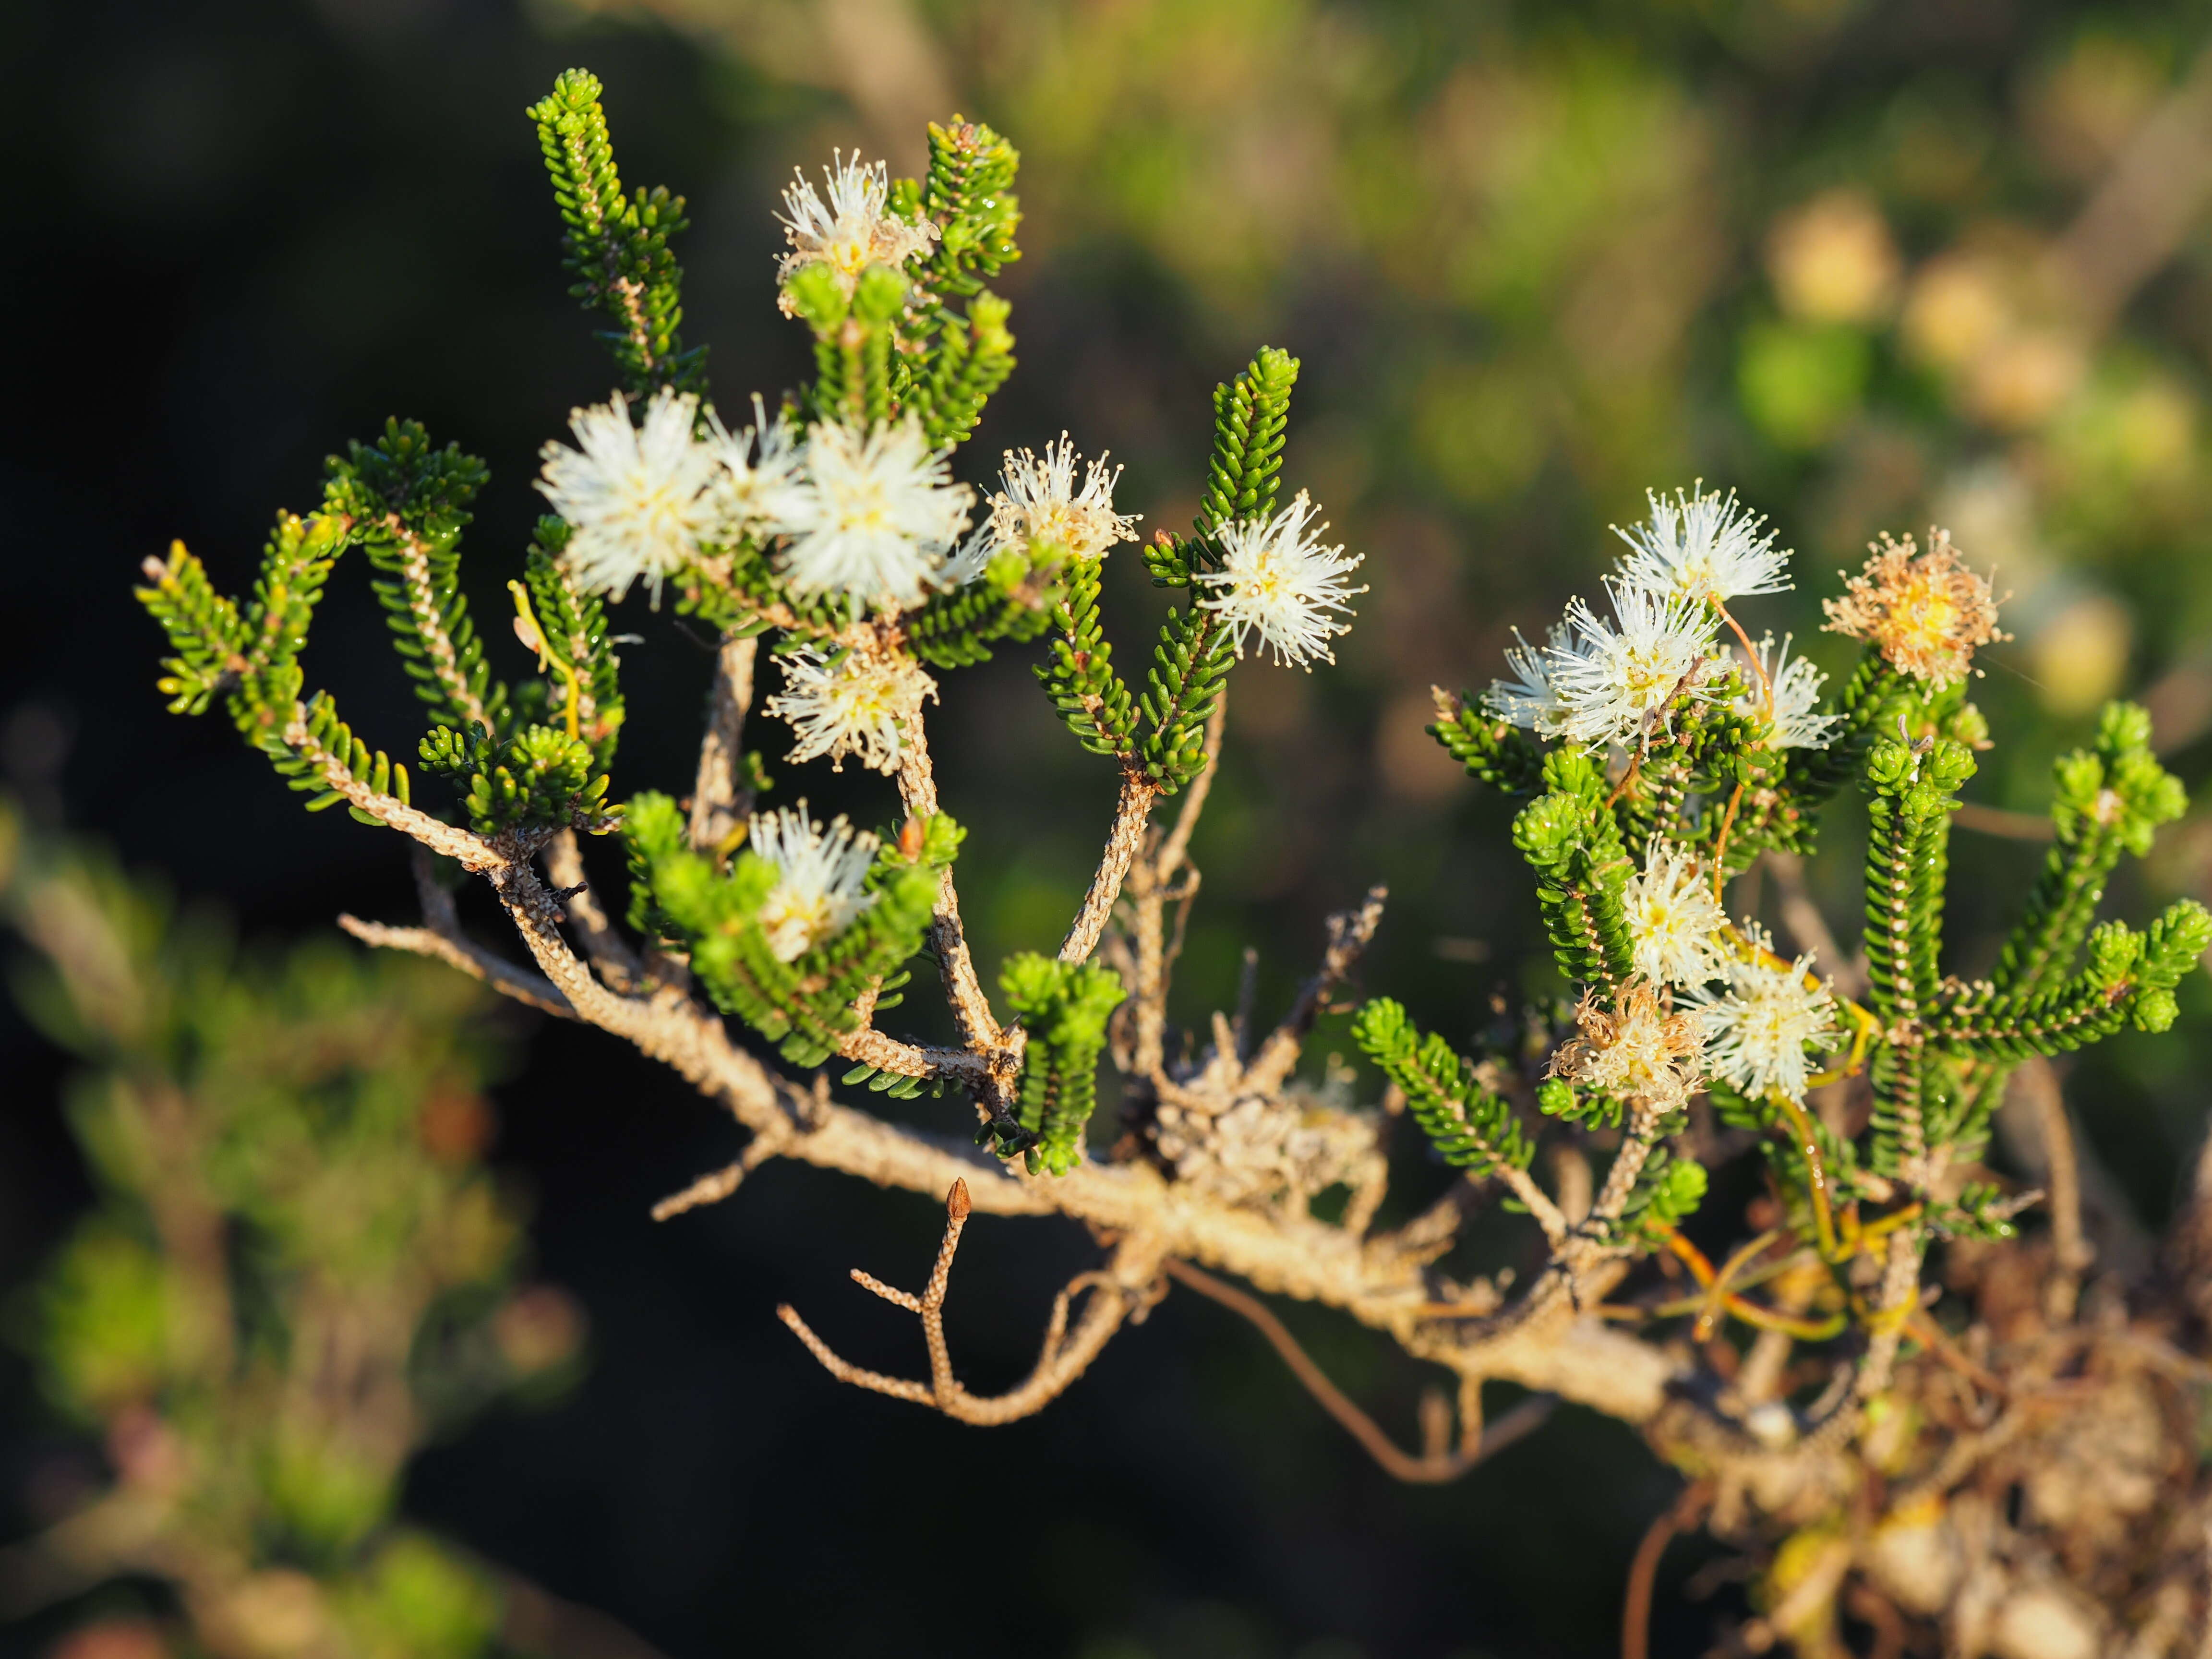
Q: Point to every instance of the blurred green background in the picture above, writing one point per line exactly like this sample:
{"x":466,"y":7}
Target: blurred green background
{"x":1874,"y":264}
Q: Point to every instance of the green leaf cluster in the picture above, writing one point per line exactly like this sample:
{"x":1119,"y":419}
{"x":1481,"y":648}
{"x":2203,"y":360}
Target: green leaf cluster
{"x":805,"y":1005}
{"x":1469,"y":1124}
{"x":1572,"y":841}
{"x":1064,"y":1006}
{"x":616,"y":245}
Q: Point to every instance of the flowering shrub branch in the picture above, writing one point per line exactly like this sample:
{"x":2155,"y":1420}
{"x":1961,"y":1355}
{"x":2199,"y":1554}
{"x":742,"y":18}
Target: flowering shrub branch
{"x":1659,"y":749}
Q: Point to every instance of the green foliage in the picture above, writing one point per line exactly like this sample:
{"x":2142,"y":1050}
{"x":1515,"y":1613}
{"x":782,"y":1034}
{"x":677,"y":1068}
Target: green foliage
{"x":291,"y":1200}
{"x":2106,"y":800}
{"x":616,"y":245}
{"x":581,"y":684}
{"x":539,"y":777}
{"x":406,"y":503}
{"x":1668,"y":1192}
{"x":1249,"y":416}
{"x":805,"y":1005}
{"x":1572,"y":841}
{"x":1014,"y":600}
{"x":969,"y":195}
{"x":1064,"y":1006}
{"x":1079,"y":678}
{"x":1496,"y":752}
{"x":1913,"y":793}
{"x":1470,"y":1124}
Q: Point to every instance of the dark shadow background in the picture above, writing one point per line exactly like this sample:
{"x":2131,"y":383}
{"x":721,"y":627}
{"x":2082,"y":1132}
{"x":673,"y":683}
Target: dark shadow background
{"x":240,"y":232}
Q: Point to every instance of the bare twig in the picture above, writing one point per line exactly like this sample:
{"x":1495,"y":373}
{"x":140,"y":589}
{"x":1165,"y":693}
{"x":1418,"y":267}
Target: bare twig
{"x":1350,"y":933}
{"x":718,"y":803}
{"x":948,"y":939}
{"x":609,"y":950}
{"x":1435,"y":1465}
{"x":2071,"y":1254}
{"x":1999,"y":821}
{"x":1124,"y":1289}
{"x":717,"y":1185}
{"x":1643,"y":1569}
{"x":472,"y":959}
{"x":532,"y":1619}
{"x":1131,"y":811}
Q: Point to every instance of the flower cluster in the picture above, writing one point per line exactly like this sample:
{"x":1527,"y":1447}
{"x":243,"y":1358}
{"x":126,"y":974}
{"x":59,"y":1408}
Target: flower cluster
{"x":869,"y":514}
{"x":873,"y":514}
{"x":1759,"y":1030}
{"x":1704,"y":545}
{"x":1604,"y":681}
{"x":820,"y":876}
{"x":1040,"y":506}
{"x":1280,"y":581}
{"x":855,"y":701}
{"x":1926,"y":612}
{"x":852,"y":229}
{"x":639,"y":500}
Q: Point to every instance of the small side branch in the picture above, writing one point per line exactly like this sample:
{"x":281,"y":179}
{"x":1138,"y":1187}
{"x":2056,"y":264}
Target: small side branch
{"x":1350,"y":933}
{"x":1132,"y":812}
{"x":470,"y":958}
{"x":948,"y":938}
{"x":718,"y":803}
{"x":609,"y":951}
{"x":713,"y":1187}
{"x":1435,"y":1465}
{"x":1123,"y":1290}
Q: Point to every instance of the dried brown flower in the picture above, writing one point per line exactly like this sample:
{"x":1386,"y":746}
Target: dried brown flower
{"x":1927,"y":611}
{"x":1640,"y":1048}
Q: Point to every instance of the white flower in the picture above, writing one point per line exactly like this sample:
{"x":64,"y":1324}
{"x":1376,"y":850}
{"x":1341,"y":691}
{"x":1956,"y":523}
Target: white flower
{"x":1277,"y":580}
{"x":1040,"y":503}
{"x":639,"y":500}
{"x":1758,"y":1031}
{"x":853,"y":702}
{"x":873,"y":514}
{"x":1527,"y":699}
{"x":1617,"y":683}
{"x":852,"y":229}
{"x":1705,"y":545}
{"x":759,"y":465}
{"x":819,"y":873}
{"x":1675,"y":918}
{"x":1797,"y":685}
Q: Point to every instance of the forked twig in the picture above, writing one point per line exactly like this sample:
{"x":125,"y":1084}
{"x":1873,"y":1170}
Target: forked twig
{"x":1124,"y":1289}
{"x":1434,"y":1466}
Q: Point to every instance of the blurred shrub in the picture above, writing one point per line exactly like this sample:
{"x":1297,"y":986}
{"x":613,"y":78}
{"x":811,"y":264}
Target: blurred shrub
{"x":297,"y":1272}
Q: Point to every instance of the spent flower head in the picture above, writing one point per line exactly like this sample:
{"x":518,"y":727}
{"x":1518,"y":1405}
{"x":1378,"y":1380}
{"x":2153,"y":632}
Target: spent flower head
{"x":851,"y":230}
{"x":1640,"y":1048}
{"x":820,"y":875}
{"x":852,"y":701}
{"x":1705,"y":545}
{"x":873,"y":514}
{"x":639,"y":499}
{"x":1618,"y":682}
{"x":1277,"y":580}
{"x":1674,"y":919}
{"x":1039,"y":502}
{"x":1797,"y":722}
{"x":1926,"y":612}
{"x":1758,"y":1031}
